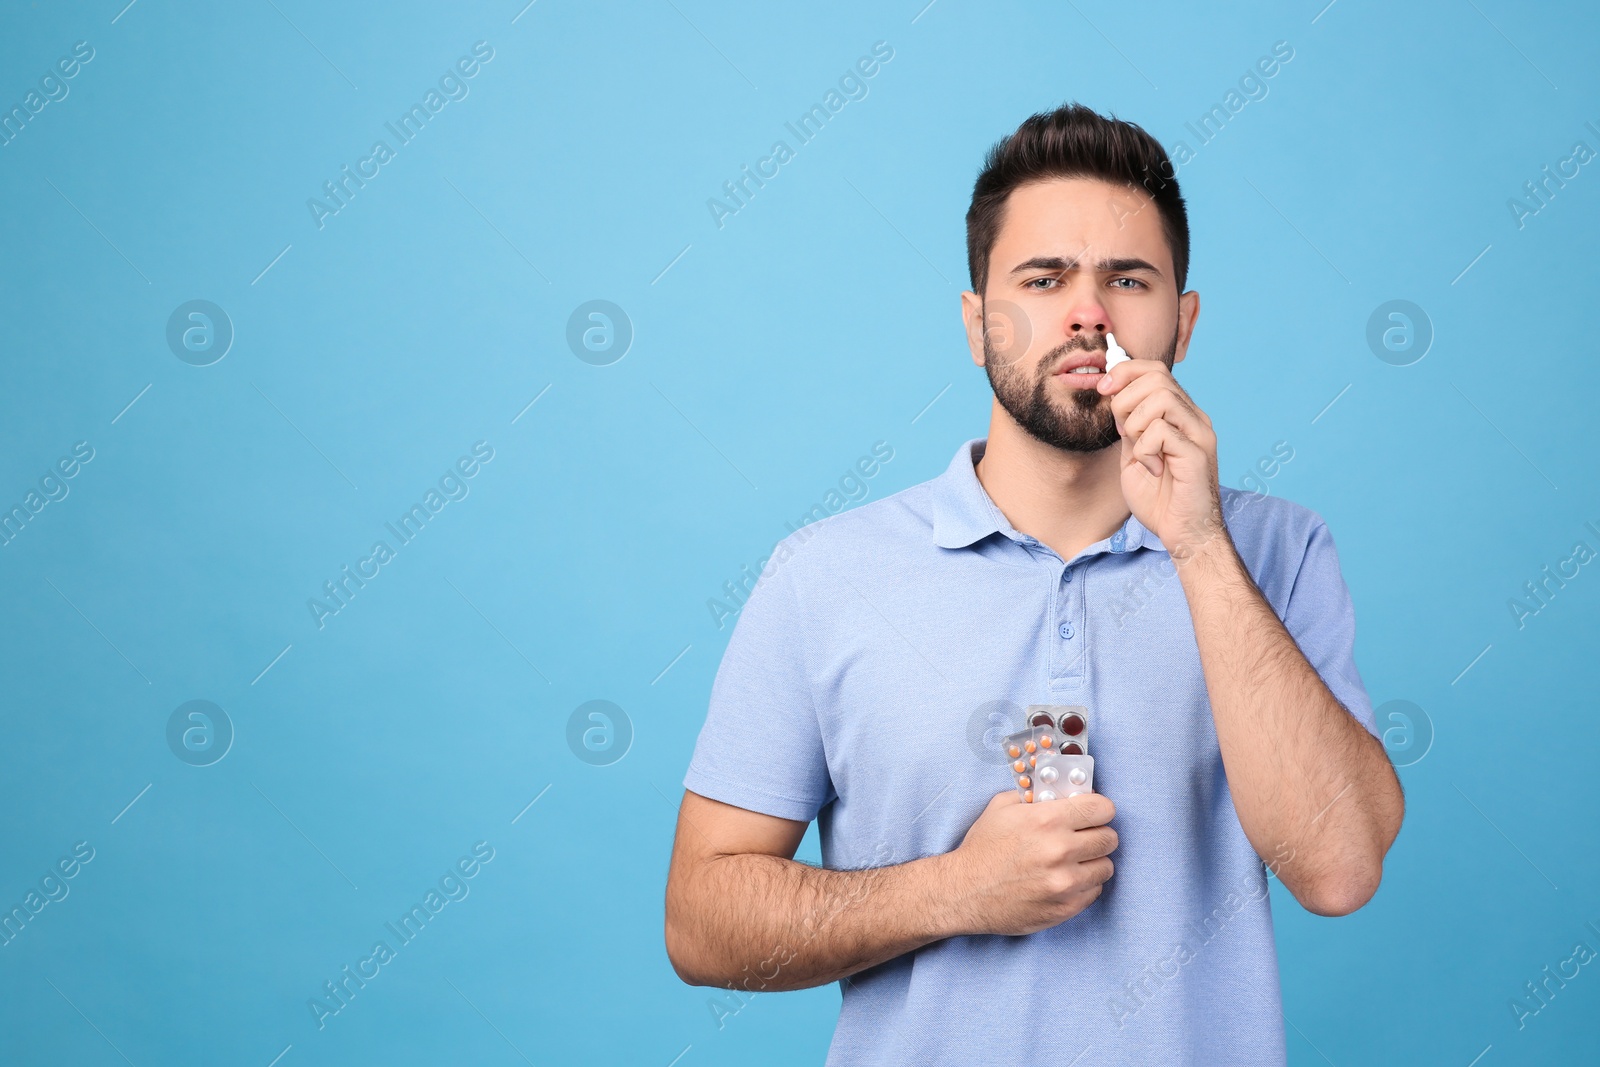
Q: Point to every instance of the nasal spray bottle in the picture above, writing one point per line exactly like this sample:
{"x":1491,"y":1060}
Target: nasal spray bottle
{"x":1114,"y":352}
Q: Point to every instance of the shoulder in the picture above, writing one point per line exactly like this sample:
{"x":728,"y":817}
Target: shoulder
{"x":1271,"y":522}
{"x":890,"y":524}
{"x":1274,"y":537}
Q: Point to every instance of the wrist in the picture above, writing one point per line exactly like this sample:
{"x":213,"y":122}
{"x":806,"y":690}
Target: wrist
{"x":1206,"y":557}
{"x":941,"y":892}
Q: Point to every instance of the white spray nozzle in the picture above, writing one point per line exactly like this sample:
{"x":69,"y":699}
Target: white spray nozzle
{"x":1114,"y":352}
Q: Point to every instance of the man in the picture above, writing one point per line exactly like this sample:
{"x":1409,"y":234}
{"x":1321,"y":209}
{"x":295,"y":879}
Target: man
{"x":1082,"y":554}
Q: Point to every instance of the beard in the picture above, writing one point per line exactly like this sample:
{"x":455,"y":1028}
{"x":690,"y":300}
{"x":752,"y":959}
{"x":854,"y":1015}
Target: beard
{"x":1083,"y":422}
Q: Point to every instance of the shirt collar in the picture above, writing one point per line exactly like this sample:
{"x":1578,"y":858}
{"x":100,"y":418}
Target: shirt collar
{"x":964,"y":514}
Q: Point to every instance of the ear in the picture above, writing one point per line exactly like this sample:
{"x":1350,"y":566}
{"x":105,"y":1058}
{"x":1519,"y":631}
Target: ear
{"x":972,"y":318}
{"x":1188,"y":312}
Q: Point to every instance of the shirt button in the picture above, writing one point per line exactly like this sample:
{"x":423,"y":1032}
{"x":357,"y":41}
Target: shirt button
{"x":1066,"y":630}
{"x":1066,"y":575}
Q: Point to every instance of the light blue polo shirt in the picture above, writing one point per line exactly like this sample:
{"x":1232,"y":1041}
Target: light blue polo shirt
{"x":868,"y":677}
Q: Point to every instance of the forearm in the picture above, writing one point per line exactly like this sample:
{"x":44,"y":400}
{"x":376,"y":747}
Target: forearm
{"x":1314,"y":791}
{"x":764,"y":923}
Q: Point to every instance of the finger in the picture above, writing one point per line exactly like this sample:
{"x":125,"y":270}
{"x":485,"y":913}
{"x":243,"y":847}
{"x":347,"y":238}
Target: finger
{"x":1100,"y":870}
{"x":1131,"y":456}
{"x":1142,"y":382}
{"x":1172,"y":409}
{"x":1160,"y":442}
{"x":1154,"y":445}
{"x":1094,"y":842}
{"x":1125,"y":374}
{"x":1145,"y":386}
{"x":1084,"y":810}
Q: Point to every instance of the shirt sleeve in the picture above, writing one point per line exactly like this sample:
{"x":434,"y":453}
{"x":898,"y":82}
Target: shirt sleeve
{"x":761,"y":746}
{"x":1322,"y":620}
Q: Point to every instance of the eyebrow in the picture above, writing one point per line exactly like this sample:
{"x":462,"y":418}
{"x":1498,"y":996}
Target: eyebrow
{"x":1060,"y":265}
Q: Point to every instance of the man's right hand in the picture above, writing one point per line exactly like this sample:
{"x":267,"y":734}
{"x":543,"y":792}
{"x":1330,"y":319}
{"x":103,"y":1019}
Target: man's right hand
{"x":1026,"y":867}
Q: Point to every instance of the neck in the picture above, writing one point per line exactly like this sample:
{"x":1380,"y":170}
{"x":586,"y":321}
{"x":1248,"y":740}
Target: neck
{"x":1068,"y":500}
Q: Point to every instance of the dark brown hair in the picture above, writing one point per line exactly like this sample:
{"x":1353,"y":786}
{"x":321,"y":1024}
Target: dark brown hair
{"x":1073,"y":142}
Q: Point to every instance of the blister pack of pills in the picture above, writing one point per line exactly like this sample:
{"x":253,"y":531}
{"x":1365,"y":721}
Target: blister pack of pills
{"x":1050,"y":757}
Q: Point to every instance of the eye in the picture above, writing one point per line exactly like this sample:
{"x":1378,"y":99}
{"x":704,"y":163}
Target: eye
{"x":1137,"y":284}
{"x":1048,"y":278}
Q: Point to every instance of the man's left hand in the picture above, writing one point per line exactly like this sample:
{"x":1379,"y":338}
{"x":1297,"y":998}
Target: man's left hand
{"x":1169,"y":455}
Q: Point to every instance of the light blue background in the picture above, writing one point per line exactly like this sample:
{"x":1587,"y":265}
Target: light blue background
{"x":429,"y":312}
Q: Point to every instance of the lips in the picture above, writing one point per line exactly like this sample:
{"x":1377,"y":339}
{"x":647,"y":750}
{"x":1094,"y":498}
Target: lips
{"x":1068,"y":368}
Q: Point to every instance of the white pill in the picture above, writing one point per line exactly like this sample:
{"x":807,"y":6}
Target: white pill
{"x":1076,"y":776}
{"x":1048,"y":774}
{"x":1045,"y":794}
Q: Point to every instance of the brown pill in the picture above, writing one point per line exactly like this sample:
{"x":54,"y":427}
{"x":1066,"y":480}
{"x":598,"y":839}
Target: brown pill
{"x":1072,"y":725}
{"x":1072,"y":748}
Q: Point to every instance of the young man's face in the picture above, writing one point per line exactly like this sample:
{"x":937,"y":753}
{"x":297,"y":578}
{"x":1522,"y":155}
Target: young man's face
{"x":1076,"y":258}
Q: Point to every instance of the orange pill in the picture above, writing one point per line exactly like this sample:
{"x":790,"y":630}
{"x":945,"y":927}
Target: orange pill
{"x":1033,"y":761}
{"x":1045,"y":741}
{"x":1025,"y":782}
{"x":1019,"y":766}
{"x":1013,"y":751}
{"x":1030,"y":746}
{"x":1027,"y":798}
